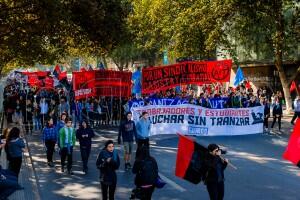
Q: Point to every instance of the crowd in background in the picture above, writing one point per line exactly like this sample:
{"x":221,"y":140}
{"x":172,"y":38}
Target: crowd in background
{"x":61,"y":120}
{"x":33,"y":107}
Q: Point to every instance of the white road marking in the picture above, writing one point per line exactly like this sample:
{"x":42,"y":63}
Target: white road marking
{"x":172,"y":183}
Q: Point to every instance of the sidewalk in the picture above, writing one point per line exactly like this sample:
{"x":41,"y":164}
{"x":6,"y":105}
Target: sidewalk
{"x":27,"y":176}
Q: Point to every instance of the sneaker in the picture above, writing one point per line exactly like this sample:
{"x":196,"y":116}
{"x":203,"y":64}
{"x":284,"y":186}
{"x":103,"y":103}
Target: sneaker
{"x":62,"y":169}
{"x":126,"y":166}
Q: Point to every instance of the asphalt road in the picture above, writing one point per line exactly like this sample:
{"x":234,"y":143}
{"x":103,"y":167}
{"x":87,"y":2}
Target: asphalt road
{"x":261,"y":172}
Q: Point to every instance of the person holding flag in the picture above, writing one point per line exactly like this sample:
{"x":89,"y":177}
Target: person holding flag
{"x":196,"y":163}
{"x":214,"y":179}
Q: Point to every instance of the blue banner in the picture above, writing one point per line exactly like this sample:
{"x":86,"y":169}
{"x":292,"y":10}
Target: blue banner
{"x":216,"y":103}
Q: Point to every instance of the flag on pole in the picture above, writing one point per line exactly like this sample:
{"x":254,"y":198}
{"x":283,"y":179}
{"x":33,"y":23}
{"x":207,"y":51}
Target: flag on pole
{"x":62,"y":75}
{"x":239,"y":77}
{"x":90,"y":67}
{"x":56,"y":71}
{"x":293,"y":86}
{"x":190,"y":160}
{"x":292,"y":152}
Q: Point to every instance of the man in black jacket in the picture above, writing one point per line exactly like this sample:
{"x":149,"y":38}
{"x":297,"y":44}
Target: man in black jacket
{"x":215,"y":174}
{"x":128,"y":131}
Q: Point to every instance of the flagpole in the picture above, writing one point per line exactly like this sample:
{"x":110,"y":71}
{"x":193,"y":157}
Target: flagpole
{"x":229,"y":163}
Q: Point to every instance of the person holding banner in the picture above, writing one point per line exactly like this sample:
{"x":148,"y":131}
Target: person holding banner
{"x":143,"y":132}
{"x":215,"y":174}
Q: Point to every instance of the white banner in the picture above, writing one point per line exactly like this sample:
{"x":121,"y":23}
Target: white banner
{"x":199,"y":121}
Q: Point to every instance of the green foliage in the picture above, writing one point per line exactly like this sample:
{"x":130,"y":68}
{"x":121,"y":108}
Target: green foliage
{"x":47,"y":31}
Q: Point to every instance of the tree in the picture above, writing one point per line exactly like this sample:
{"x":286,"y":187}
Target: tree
{"x":196,"y":28}
{"x":47,"y":31}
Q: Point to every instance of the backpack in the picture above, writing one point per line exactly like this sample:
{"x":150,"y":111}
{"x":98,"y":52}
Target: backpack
{"x":148,"y":172}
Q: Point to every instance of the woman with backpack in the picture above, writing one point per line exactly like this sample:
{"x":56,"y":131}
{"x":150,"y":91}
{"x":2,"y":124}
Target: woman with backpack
{"x":108,"y":162}
{"x":14,"y":148}
{"x":146,"y":170}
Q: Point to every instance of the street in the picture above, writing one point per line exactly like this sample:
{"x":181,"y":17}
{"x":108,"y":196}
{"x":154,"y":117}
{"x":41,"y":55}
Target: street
{"x":261,"y":172}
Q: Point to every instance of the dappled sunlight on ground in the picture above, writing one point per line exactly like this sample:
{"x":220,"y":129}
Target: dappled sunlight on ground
{"x":252,"y":157}
{"x":75,"y":190}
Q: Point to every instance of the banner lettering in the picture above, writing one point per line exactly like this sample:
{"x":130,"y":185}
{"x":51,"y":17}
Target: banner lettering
{"x":158,"y":78}
{"x":199,"y":121}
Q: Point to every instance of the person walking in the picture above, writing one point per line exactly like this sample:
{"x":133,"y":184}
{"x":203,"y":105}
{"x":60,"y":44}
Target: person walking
{"x":277,"y":114}
{"x":44,"y":111}
{"x":127,"y":131}
{"x":146,"y":170}
{"x":36,"y":116}
{"x":28,"y":116}
{"x":296,"y":110}
{"x":85,"y":134}
{"x":49,"y":140}
{"x":108,"y":162}
{"x":214,"y":179}
{"x":14,"y":148}
{"x":67,"y":138}
{"x":53,"y":111}
{"x":143,"y":132}
{"x":265,"y":103}
{"x":60,"y":124}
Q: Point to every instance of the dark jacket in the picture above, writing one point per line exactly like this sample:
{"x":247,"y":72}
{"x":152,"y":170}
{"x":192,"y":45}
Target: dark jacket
{"x":108,"y":175}
{"x":277,"y":109}
{"x":253,"y":104}
{"x":28,"y":112}
{"x":216,"y":167}
{"x":138,"y":167}
{"x":267,"y":110}
{"x":14,"y":148}
{"x":85,"y":135}
{"x":127,"y":130}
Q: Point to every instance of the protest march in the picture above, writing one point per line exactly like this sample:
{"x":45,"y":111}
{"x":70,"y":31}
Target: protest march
{"x":46,"y":102}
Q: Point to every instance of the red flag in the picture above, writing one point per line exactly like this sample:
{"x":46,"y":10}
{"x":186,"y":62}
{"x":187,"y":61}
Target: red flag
{"x":49,"y":82}
{"x":292,"y":152}
{"x":190,"y":160}
{"x":293,"y":86}
{"x":62,"y":75}
{"x":57,"y":69}
{"x":248,"y":85}
{"x":82,"y":69}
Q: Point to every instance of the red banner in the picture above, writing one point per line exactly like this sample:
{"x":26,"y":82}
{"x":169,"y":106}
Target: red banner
{"x":83,"y":84}
{"x":39,"y":79}
{"x":165,"y":77}
{"x":101,"y":83}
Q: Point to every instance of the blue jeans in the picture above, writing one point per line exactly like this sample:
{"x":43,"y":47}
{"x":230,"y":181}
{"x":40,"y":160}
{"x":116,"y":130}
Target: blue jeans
{"x":37,"y":123}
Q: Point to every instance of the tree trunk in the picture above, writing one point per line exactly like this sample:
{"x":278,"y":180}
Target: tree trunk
{"x":279,"y":38}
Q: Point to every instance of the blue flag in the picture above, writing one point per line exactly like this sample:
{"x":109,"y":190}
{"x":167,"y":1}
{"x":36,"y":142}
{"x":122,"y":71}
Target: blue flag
{"x":239,"y":77}
{"x":137,"y":84}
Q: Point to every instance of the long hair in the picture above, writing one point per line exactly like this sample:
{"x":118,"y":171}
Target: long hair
{"x":14,"y":133}
{"x":143,"y":153}
{"x":81,"y":126}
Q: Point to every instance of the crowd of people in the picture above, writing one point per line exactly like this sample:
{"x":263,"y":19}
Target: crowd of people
{"x":62,"y":120}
